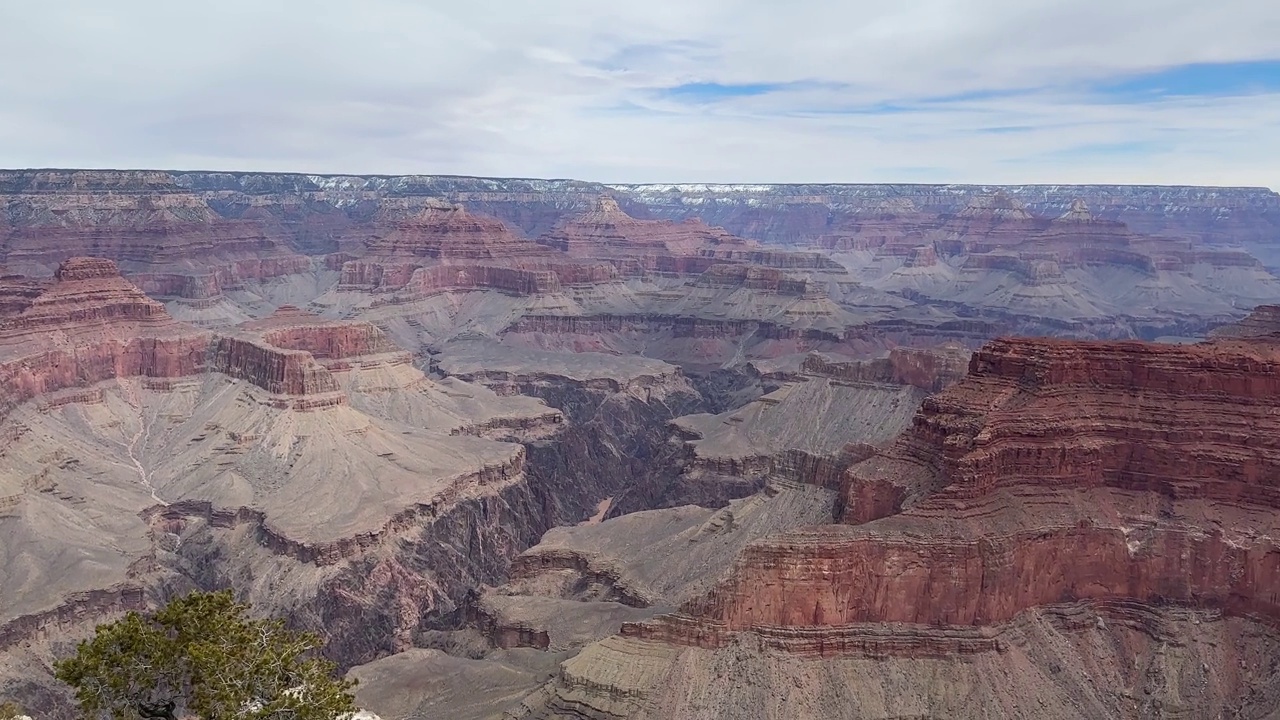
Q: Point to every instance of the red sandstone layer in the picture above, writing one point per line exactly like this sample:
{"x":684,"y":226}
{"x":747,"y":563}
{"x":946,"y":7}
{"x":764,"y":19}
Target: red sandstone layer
{"x":291,"y":328}
{"x":91,"y":325}
{"x":1055,"y":472}
{"x":928,"y":369}
{"x":607,"y":229}
{"x":443,"y":231}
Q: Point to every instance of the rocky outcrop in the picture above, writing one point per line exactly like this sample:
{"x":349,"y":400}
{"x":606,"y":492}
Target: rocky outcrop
{"x":516,"y":281}
{"x":89,"y":325}
{"x":923,"y":256}
{"x":74,"y":610}
{"x":446,"y":249}
{"x":1263,"y":324}
{"x":444,"y":231}
{"x":992,"y":221}
{"x":1097,"y":437}
{"x":925,"y":368}
{"x":410,"y":282}
{"x":1078,"y":225}
{"x":640,"y":247}
{"x":291,"y":328}
{"x":1064,"y":499}
{"x":691,"y":327}
{"x":607,"y":229}
{"x":786,"y":260}
{"x":43,"y":372}
{"x":216,"y":277}
{"x":1066,"y":663}
{"x":173,"y":241}
{"x":752,"y":278}
{"x":316,"y":209}
{"x":86,"y":291}
{"x":277,"y":371}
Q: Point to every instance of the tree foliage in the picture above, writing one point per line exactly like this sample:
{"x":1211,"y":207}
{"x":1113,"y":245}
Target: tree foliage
{"x":202,"y":655}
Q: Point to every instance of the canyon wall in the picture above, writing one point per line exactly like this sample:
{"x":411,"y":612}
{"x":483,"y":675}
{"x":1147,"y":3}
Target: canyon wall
{"x":774,"y":213}
{"x":1123,"y":450}
{"x":1062,"y":500}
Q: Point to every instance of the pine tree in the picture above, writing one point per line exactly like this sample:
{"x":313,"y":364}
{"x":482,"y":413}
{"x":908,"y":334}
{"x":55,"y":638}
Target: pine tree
{"x":202,"y":655}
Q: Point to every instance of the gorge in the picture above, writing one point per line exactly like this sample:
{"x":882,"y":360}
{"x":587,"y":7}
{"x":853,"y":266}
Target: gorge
{"x":560,"y":449}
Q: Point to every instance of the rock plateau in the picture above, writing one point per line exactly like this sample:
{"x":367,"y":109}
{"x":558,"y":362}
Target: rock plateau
{"x":557,"y":449}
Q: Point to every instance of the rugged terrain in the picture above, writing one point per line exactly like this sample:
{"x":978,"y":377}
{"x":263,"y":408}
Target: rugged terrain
{"x":660,"y":451}
{"x":870,"y":266}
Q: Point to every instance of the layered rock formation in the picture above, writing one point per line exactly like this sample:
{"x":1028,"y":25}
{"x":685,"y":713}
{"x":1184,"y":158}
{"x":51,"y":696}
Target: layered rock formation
{"x":1065,"y":498}
{"x":800,"y":213}
{"x":1070,"y":429}
{"x":444,"y":249}
{"x":893,"y":223}
{"x":141,"y":453}
{"x":928,"y":369}
{"x":315,"y":209}
{"x":227,"y":247}
{"x":448,"y":232}
{"x":606,"y":229}
{"x":88,"y":325}
{"x":586,"y":582}
{"x":1262,"y":324}
{"x":990,"y":221}
{"x":172,"y":242}
{"x":647,"y":246}
{"x":810,"y":430}
{"x":376,"y":464}
{"x":997,"y":256}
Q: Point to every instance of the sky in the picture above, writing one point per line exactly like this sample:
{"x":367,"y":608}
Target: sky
{"x":737,"y":91}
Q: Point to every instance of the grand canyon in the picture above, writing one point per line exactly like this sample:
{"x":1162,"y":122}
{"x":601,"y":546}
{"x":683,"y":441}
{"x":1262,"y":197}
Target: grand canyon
{"x":561,"y":449}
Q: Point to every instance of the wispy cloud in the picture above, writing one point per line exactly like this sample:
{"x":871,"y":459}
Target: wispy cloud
{"x":719,"y":90}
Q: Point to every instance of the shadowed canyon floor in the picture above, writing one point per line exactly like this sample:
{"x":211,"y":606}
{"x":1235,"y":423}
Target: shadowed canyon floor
{"x":555,"y":449}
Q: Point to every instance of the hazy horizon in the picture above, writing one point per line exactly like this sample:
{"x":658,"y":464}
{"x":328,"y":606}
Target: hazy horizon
{"x":609,"y":183}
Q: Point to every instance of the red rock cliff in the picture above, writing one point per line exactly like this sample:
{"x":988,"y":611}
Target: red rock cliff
{"x":606,"y":228}
{"x":290,"y":328}
{"x":1055,"y":472}
{"x":445,"y":231}
{"x":928,"y":369}
{"x":91,"y":325}
{"x":88,"y":325}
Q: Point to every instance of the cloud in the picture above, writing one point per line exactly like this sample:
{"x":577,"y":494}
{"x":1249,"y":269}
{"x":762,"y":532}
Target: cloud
{"x":665,"y":90}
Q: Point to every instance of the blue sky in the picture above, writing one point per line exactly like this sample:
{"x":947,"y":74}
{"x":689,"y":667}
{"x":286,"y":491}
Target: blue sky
{"x":1167,"y":91}
{"x":1204,"y":80}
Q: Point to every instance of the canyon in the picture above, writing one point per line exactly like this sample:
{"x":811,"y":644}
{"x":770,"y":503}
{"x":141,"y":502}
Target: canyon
{"x":560,"y":449}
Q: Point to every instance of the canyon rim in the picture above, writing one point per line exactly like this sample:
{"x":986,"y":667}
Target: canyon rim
{"x":561,"y":449}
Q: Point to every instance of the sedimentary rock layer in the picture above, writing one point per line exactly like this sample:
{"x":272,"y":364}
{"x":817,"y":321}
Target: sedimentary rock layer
{"x":1154,"y":462}
{"x":1063,"y":500}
